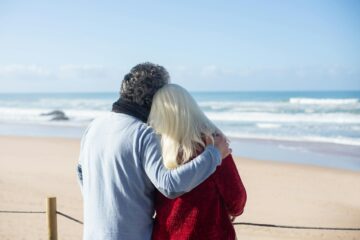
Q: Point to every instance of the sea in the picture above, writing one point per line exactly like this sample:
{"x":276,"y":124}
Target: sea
{"x":306,"y":127}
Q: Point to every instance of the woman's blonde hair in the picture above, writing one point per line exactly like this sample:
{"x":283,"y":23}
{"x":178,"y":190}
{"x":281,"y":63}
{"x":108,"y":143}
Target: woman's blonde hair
{"x":176,"y":116}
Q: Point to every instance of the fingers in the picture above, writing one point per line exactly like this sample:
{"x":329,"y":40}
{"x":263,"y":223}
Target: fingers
{"x":222,"y":144}
{"x":219,"y":138}
{"x":208,"y":140}
{"x":227,"y":153}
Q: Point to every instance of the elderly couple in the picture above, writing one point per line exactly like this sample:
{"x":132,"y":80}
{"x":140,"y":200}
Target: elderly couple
{"x":156,"y":167}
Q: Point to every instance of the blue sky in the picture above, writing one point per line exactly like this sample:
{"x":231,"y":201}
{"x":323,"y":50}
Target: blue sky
{"x":208,"y":45}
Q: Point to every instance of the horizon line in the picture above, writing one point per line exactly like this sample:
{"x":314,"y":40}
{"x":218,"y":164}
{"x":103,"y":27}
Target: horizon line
{"x":191,"y":91}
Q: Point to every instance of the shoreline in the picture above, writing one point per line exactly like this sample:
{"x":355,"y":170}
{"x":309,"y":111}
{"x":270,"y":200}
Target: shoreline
{"x":75,"y":130}
{"x":333,"y":155}
{"x":330,"y":155}
{"x":270,"y":160}
{"x":303,"y":142}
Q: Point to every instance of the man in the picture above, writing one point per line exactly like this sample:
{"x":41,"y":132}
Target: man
{"x":120,"y":163}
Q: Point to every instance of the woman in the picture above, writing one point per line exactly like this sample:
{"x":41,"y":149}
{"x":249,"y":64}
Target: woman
{"x":207,"y":211}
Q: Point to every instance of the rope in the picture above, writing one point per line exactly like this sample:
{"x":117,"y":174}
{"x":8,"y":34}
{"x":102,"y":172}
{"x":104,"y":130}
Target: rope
{"x":60,"y":213}
{"x":295,"y":227}
{"x":1,"y":211}
{"x":236,"y":223}
{"x":67,"y":216}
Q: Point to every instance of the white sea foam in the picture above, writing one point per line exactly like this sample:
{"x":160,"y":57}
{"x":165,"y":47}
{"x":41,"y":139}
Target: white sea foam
{"x":59,"y":103}
{"x":241,"y":105}
{"x":268,"y":125}
{"x":292,"y":148}
{"x":101,"y":104}
{"x":292,"y":106}
{"x":324,"y":101}
{"x":285,"y":118}
{"x":291,"y":119}
{"x":28,"y":114}
{"x":261,"y":119}
{"x":33,"y":115}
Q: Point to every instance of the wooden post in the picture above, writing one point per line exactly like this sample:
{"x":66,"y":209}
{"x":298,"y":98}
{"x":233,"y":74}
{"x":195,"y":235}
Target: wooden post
{"x":51,"y":218}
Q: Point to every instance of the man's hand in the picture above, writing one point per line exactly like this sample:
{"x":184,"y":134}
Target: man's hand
{"x":220,"y":143}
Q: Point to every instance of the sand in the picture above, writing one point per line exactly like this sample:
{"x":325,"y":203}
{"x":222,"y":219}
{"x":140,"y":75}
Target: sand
{"x":33,"y":168}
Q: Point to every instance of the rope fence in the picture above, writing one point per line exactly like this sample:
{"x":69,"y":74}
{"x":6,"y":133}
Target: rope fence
{"x":52,"y":212}
{"x":1,"y":211}
{"x":69,"y":217}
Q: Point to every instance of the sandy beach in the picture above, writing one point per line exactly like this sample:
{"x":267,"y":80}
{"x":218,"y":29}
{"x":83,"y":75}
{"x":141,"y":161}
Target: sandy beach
{"x":33,"y":168}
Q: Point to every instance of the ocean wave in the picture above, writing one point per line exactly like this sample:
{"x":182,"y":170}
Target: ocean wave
{"x":38,"y":115}
{"x":338,"y":118}
{"x":295,"y":106}
{"x":76,"y":103}
{"x":261,"y":119}
{"x":268,"y":125}
{"x":217,"y":105}
{"x":58,"y":103}
{"x":324,"y":101}
{"x":286,"y":127}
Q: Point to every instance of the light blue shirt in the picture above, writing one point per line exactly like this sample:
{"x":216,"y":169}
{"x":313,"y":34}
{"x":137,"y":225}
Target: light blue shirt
{"x":120,"y":166}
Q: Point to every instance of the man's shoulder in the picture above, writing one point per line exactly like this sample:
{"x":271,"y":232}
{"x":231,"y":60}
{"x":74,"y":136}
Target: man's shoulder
{"x":116,"y":118}
{"x":122,"y":121}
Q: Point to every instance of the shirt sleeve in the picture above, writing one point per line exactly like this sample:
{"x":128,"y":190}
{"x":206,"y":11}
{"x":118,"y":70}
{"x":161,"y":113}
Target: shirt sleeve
{"x":175,"y":182}
{"x":230,"y":186}
{"x":81,"y":155}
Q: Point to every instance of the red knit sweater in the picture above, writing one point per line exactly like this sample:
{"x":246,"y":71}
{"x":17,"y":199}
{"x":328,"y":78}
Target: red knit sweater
{"x":204,"y":212}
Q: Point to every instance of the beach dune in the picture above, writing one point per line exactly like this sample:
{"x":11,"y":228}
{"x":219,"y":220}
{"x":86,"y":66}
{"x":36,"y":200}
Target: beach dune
{"x":32,"y":169}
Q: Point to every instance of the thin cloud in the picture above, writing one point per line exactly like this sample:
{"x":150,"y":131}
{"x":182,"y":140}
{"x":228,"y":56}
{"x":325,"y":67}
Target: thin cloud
{"x":93,"y":77}
{"x":82,"y":72}
{"x":23,"y":70}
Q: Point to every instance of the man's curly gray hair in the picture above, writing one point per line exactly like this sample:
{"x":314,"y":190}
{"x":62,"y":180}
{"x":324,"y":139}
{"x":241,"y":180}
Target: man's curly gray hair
{"x":140,"y":85}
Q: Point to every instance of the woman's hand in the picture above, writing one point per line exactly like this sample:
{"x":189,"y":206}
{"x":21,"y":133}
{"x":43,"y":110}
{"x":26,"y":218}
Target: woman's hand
{"x":220,"y":142}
